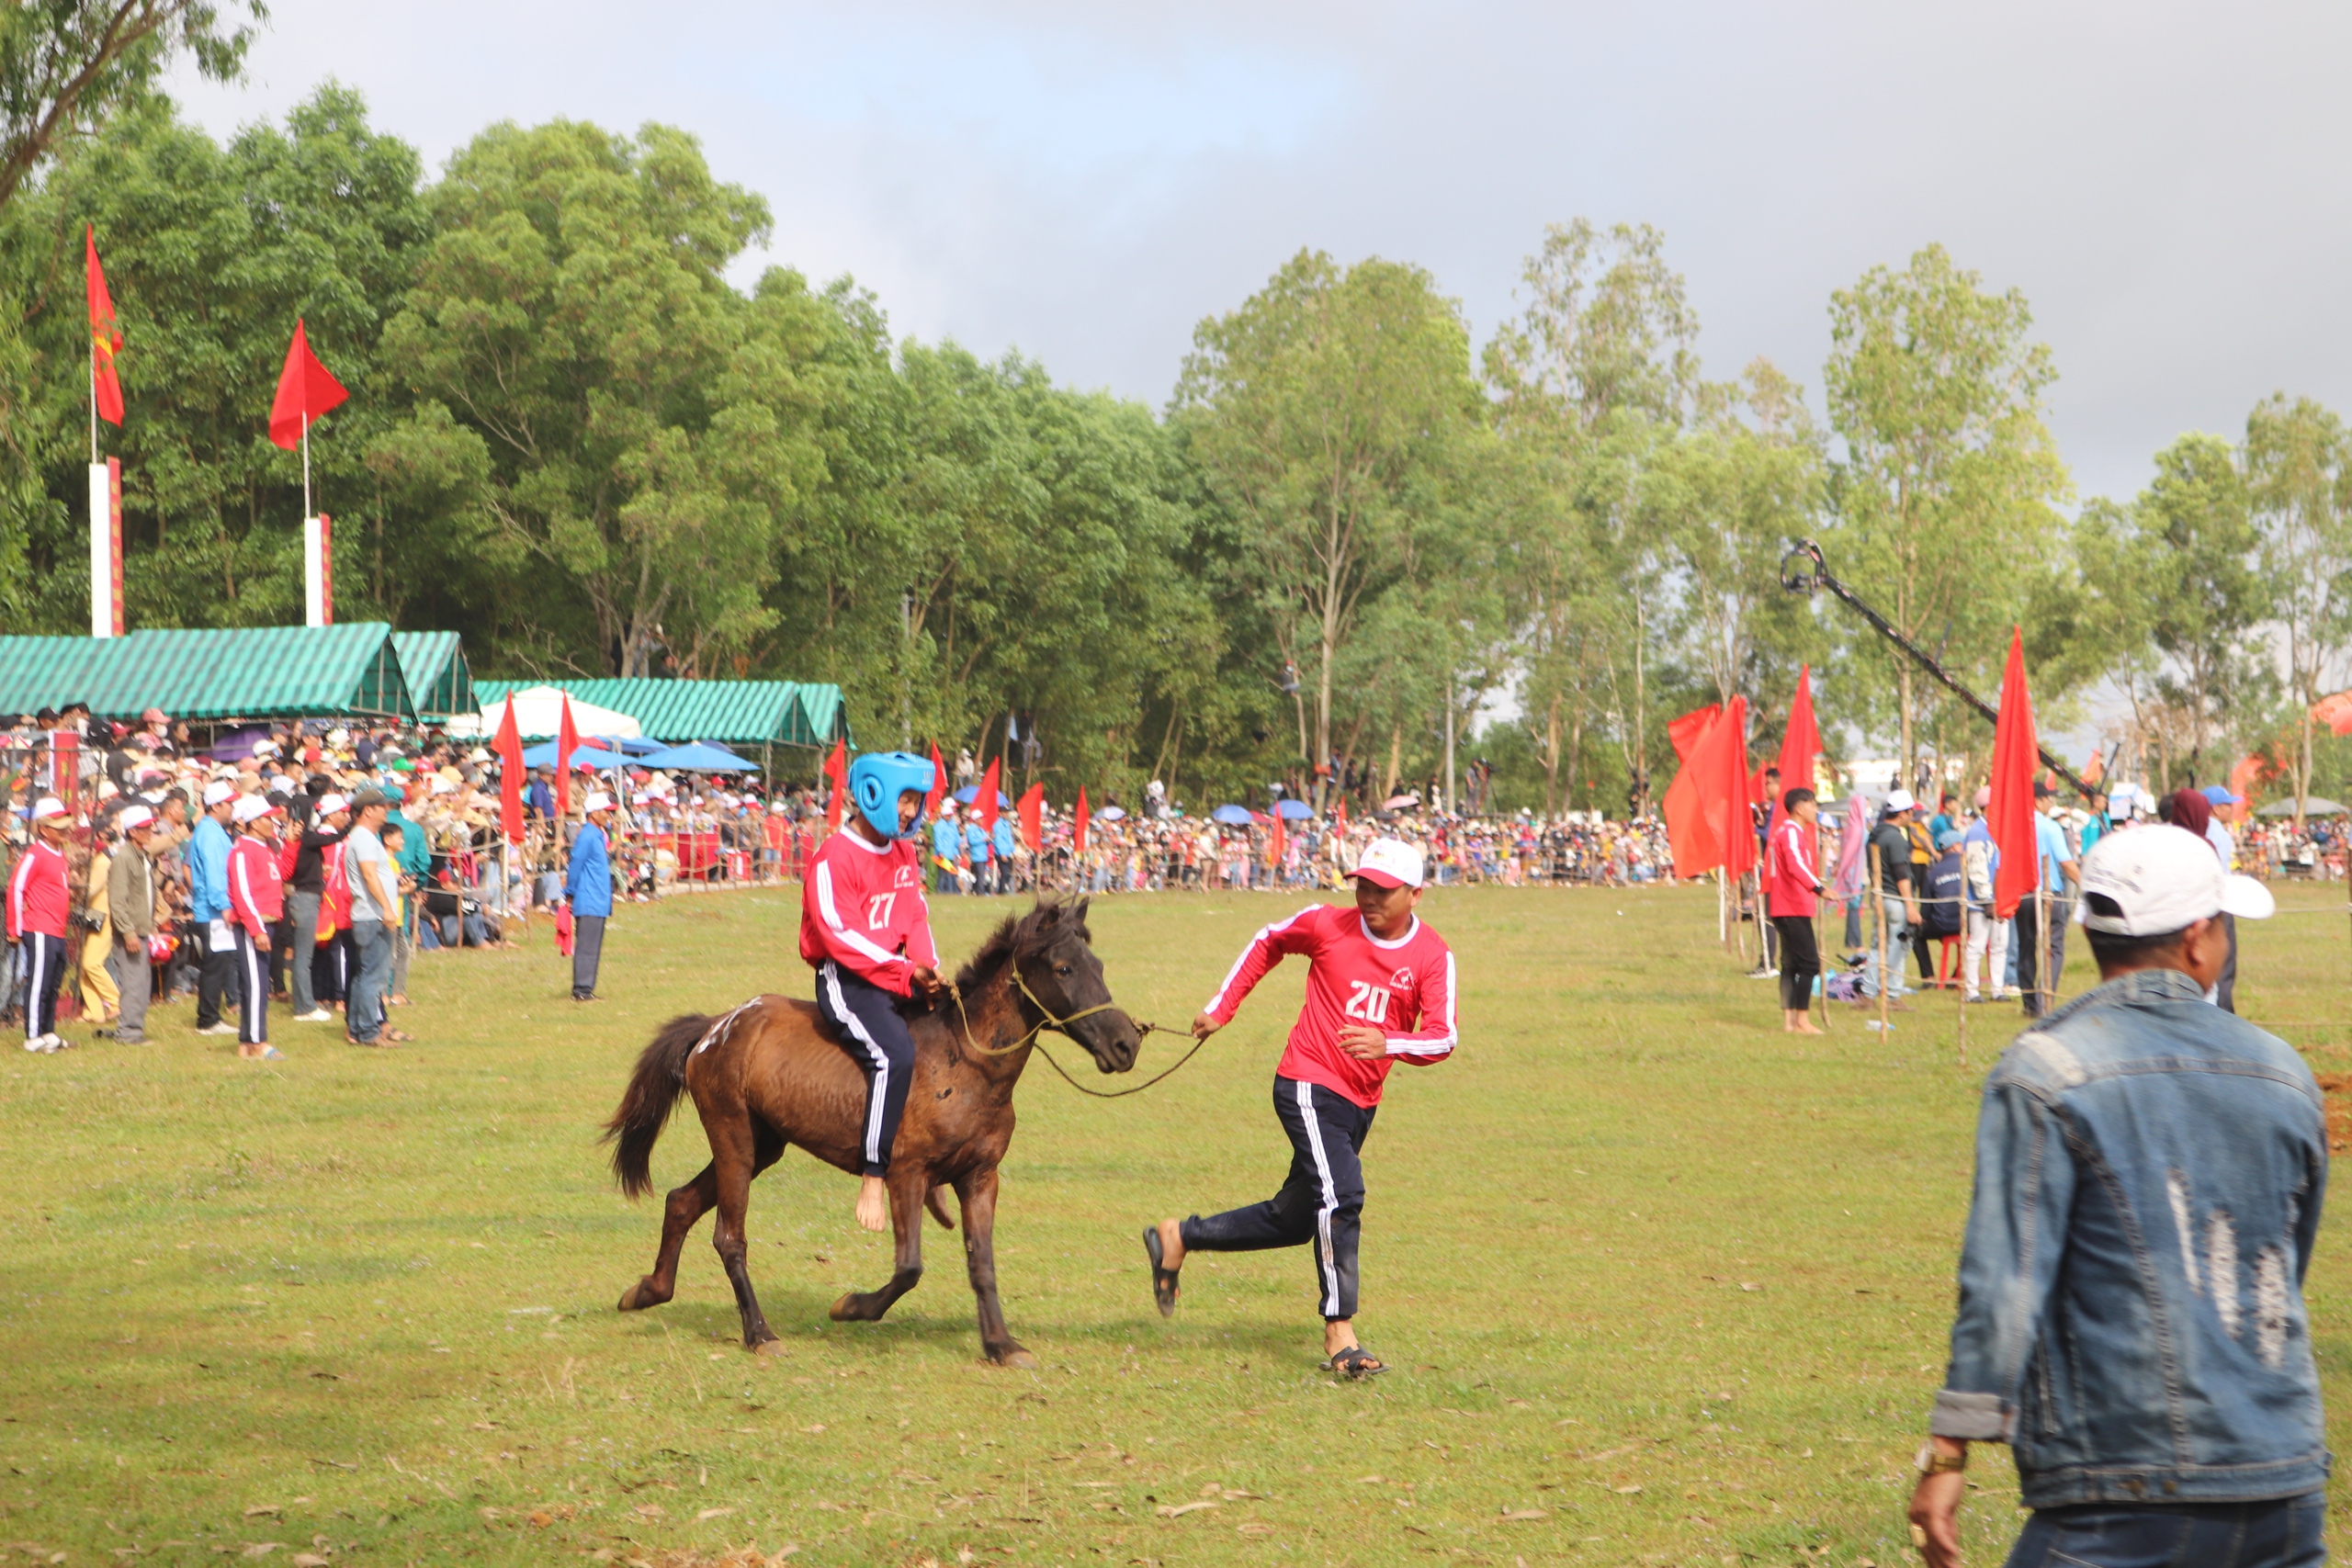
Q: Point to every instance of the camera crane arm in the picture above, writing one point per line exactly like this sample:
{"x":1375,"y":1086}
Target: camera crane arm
{"x":1802,"y":570}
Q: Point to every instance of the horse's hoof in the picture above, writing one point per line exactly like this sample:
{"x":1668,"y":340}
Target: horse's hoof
{"x":1015,"y":1356}
{"x":769,"y":1350}
{"x":846,"y":1310}
{"x":634,"y":1298}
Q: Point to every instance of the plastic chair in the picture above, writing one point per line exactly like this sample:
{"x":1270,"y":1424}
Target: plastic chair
{"x":1947,"y":958}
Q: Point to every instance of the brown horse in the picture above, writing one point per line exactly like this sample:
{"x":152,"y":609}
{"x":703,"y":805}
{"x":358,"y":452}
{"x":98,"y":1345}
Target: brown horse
{"x":770,"y":1075}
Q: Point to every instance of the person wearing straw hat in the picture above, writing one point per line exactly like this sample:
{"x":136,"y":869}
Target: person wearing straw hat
{"x":37,"y":915}
{"x":2149,"y":1178}
{"x":257,"y":903}
{"x":588,"y":889}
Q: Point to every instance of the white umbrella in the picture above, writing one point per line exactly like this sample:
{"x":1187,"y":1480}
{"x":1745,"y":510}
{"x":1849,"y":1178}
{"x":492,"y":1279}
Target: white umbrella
{"x":538,"y":714}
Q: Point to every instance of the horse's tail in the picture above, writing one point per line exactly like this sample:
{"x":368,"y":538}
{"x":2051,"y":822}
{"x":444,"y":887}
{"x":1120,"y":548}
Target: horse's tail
{"x":651,"y":1095}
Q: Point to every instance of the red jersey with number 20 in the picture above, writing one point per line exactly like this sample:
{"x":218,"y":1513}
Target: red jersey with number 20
{"x":861,"y":907}
{"x":1404,"y":988}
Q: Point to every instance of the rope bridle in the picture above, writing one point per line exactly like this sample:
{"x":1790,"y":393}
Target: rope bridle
{"x":1048,"y":1019}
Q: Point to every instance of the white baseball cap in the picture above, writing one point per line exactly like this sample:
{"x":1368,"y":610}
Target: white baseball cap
{"x":134,"y":817}
{"x":1390,"y":863}
{"x":330,"y":803}
{"x":251,"y":807}
{"x":280,"y":785}
{"x":46,"y":806}
{"x":214,"y":794}
{"x":2158,"y":879}
{"x":1900,"y":800}
{"x":597,"y":801}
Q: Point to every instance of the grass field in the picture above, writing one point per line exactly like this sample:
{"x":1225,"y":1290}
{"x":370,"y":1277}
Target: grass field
{"x":1662,"y":1285}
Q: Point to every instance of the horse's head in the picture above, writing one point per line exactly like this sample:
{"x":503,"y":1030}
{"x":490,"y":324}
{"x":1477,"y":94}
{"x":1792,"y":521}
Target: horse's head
{"x":1053,"y":957}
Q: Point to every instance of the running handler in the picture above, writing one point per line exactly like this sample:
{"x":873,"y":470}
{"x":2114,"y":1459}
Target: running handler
{"x":867,"y":931}
{"x":1379,"y":991}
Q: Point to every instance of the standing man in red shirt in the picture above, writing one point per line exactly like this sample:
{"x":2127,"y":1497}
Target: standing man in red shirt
{"x":257,"y":901}
{"x":37,"y":914}
{"x":1379,"y":991}
{"x":867,"y":931}
{"x":1791,"y":896}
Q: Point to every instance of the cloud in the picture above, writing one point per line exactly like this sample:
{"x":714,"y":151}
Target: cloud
{"x":1085,"y":183}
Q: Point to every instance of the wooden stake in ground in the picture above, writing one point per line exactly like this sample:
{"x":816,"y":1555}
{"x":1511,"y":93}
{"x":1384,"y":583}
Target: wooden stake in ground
{"x":2046,"y":984}
{"x":1962,"y":990}
{"x":1878,"y":935}
{"x":1820,"y":981}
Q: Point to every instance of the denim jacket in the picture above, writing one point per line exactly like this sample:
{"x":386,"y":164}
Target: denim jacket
{"x":2149,"y":1172}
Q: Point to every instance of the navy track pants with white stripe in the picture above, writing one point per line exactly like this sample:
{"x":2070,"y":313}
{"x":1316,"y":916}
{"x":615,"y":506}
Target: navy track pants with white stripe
{"x":44,"y":967}
{"x":875,"y":1038}
{"x":1322,"y":1198}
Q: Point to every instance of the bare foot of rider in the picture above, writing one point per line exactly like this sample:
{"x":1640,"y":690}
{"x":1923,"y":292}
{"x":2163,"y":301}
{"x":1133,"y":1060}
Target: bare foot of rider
{"x":874,"y":1204}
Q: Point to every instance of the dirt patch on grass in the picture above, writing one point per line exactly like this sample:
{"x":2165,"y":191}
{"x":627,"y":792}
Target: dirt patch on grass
{"x":2337,"y":1089}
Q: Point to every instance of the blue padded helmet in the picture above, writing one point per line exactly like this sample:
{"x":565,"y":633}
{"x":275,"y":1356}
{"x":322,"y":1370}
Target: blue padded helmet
{"x":875,"y":782}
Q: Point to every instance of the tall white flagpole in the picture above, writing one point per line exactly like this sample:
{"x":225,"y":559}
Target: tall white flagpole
{"x":306,"y":462}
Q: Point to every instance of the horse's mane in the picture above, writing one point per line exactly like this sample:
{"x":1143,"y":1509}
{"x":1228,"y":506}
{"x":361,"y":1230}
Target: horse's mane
{"x":1020,"y":936}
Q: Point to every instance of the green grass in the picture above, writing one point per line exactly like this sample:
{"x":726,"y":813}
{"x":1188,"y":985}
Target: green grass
{"x":1667,"y":1284}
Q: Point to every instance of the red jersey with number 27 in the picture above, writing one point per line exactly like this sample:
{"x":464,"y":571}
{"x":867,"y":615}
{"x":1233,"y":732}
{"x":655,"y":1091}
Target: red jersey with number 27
{"x":862,"y":906}
{"x":1404,"y":988}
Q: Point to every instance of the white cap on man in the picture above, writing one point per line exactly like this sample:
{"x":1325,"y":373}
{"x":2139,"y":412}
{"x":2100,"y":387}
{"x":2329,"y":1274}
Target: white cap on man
{"x":597,"y":801}
{"x":1899,"y":800}
{"x":330,"y":803}
{"x":215,"y":792}
{"x":134,"y":817}
{"x":251,"y":807}
{"x":1390,"y":863}
{"x":2156,"y":880}
{"x":46,"y":806}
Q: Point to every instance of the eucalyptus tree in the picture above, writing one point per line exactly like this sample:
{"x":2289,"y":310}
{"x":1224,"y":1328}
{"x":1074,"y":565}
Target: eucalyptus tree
{"x":2299,"y":471}
{"x":1948,"y":493}
{"x":1322,"y":413}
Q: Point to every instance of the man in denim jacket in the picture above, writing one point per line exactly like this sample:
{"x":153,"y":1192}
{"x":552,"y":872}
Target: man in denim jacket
{"x":2149,"y":1172}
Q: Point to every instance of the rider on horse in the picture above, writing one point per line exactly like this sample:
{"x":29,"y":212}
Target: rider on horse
{"x":865,"y":929}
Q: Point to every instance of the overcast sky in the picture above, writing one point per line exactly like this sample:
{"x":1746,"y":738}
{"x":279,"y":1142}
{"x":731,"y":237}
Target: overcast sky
{"x":2164,"y":182}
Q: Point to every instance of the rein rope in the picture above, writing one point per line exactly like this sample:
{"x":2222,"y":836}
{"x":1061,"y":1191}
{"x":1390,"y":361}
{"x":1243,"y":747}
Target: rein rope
{"x":1046,"y":1020}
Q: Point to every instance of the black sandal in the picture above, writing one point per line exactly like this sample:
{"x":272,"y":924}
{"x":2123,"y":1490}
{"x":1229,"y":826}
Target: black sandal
{"x":1355,"y":1364}
{"x":1163,"y":1281}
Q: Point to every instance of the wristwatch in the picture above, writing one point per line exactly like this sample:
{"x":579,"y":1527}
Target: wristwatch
{"x":1931,"y":1462}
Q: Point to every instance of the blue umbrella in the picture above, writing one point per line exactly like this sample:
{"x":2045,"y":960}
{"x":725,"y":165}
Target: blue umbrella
{"x":638,"y":746}
{"x":698,"y":758}
{"x":1295,"y":810}
{"x":1231,"y":815}
{"x":971,"y":793}
{"x":543,"y":756}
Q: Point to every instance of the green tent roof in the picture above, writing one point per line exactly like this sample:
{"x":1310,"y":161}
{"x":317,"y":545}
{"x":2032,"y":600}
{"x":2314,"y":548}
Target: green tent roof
{"x":245,"y":672}
{"x":751,"y":712}
{"x":433,"y":665}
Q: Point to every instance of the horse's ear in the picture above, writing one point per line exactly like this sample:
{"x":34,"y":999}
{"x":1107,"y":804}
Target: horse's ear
{"x":1083,"y":904}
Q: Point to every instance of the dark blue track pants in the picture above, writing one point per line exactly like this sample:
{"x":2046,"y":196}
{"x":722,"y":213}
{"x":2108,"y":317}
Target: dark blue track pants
{"x":1321,"y":1200}
{"x":877,"y":1039}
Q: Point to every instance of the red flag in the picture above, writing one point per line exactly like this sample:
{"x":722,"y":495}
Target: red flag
{"x":2009,"y":817}
{"x":1707,"y":820}
{"x":567,"y":741}
{"x":106,"y":336}
{"x":305,"y":392}
{"x":836,"y":770}
{"x":509,"y":746}
{"x":1033,"y":817}
{"x":1802,"y":744}
{"x":986,"y":799}
{"x":1079,"y":821}
{"x":938,"y":784}
{"x":1278,"y":841}
{"x":1687,"y":830}
{"x":1339,"y":815}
